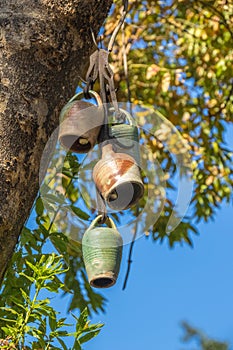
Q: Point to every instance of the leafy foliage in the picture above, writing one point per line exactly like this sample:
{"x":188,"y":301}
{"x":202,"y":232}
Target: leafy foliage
{"x":26,"y":321}
{"x":30,"y":322}
{"x":179,"y":56}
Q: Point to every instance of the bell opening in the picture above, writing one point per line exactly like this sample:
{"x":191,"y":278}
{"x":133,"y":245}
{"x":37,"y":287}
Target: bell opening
{"x":102,"y":282}
{"x":75,"y":144}
{"x":125,"y":195}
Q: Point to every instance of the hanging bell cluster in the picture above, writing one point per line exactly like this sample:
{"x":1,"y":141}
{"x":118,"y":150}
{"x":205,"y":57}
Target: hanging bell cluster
{"x":116,"y":175}
{"x":80,"y":123}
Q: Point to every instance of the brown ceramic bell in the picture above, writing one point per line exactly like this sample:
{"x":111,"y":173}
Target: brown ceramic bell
{"x":118,"y":179}
{"x":80,"y":124}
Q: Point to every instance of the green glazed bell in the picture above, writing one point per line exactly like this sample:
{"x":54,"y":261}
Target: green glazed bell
{"x":127,"y":137}
{"x":102,"y":252}
{"x":80,"y":123}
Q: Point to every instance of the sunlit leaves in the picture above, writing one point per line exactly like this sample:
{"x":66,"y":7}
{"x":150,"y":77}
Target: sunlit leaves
{"x":31,"y":320}
{"x":180,"y":58}
{"x":23,"y":316}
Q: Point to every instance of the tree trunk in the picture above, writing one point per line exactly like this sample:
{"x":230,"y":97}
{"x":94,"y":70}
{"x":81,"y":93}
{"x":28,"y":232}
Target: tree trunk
{"x":44,"y":45}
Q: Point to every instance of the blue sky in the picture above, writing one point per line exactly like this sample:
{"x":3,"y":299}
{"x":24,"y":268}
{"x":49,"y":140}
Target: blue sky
{"x":167,"y":286}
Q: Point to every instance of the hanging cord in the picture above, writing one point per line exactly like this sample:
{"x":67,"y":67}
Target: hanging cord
{"x":118,"y":27}
{"x":101,"y":207}
{"x":100,"y":67}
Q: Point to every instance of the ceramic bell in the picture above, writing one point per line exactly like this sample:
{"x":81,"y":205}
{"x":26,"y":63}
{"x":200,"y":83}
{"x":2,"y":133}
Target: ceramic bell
{"x":102,"y":252}
{"x":80,"y":123}
{"x":118,"y":179}
{"x":126,"y":137}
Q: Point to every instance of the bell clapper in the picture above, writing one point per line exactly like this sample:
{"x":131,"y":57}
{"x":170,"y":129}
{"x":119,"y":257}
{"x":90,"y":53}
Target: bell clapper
{"x":113,"y":196}
{"x":83,"y":141}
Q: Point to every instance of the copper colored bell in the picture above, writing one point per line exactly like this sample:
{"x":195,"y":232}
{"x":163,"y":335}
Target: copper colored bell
{"x":118,"y":179}
{"x":80,"y":124}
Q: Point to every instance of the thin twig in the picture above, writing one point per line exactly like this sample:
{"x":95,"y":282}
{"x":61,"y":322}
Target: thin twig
{"x":131,"y":252}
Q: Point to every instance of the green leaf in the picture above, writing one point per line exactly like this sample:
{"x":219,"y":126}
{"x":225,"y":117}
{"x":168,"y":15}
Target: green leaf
{"x":53,"y":286}
{"x":59,"y":243}
{"x":17,"y":302}
{"x":7,"y":319}
{"x":68,"y":173}
{"x":7,"y":331}
{"x":30,"y":278}
{"x":74,"y":247}
{"x":76,"y":345}
{"x":39,"y":206}
{"x":52,"y":321}
{"x":62,"y":343}
{"x":55,"y":199}
{"x":80,"y":213}
{"x":82,"y":320}
{"x":85,"y":338}
{"x":33,"y":267}
{"x":25,"y":295}
{"x":7,"y":309}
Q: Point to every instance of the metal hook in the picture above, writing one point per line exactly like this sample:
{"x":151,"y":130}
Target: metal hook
{"x":101,"y":207}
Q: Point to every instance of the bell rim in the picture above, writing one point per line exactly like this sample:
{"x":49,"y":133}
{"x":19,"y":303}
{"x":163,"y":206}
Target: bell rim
{"x":133,"y":202}
{"x":82,"y":148}
{"x":101,"y":277}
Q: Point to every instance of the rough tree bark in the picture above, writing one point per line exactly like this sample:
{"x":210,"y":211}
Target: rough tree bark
{"x":43,"y":47}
